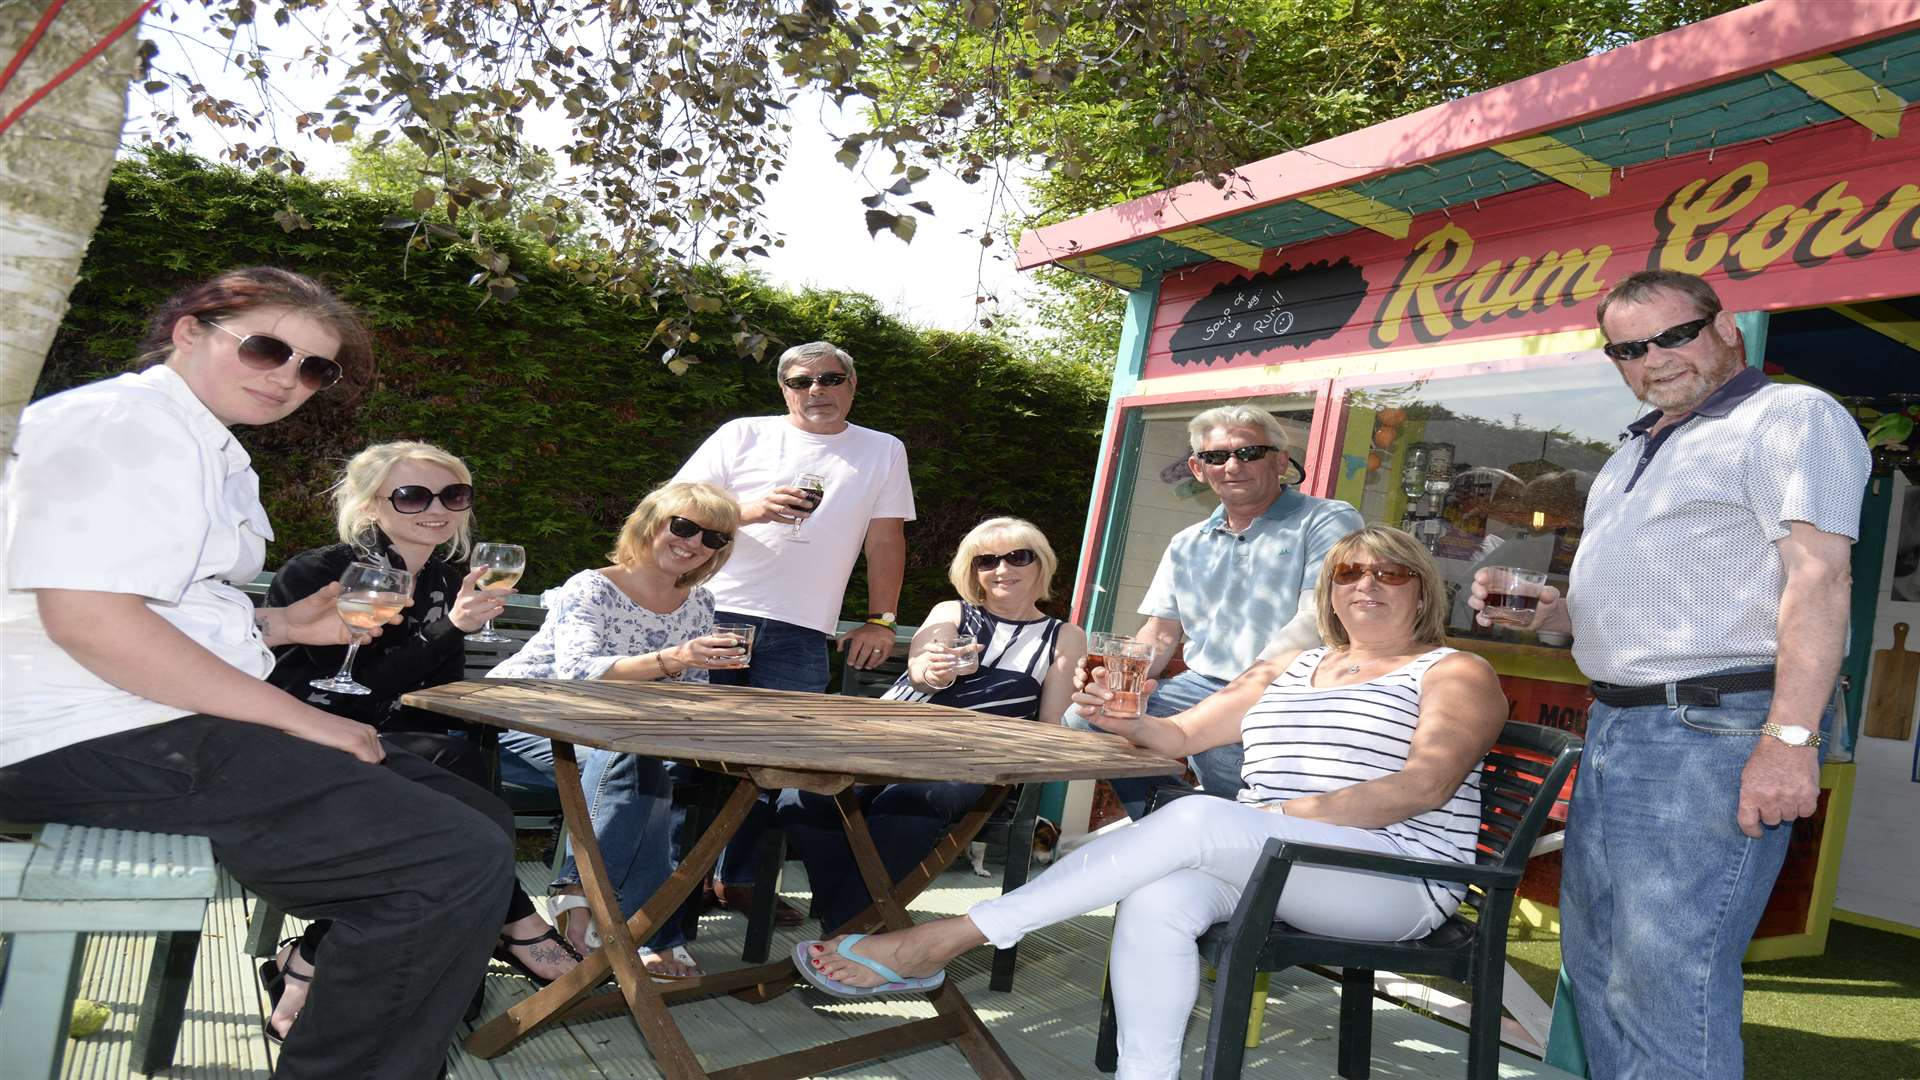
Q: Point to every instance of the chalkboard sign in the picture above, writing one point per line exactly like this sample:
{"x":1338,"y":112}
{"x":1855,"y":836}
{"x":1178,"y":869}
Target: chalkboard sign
{"x":1287,"y":307}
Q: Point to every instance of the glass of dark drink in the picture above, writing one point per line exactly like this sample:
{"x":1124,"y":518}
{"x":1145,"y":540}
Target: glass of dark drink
{"x":742,"y":634}
{"x":1513,"y":595}
{"x":814,"y":487}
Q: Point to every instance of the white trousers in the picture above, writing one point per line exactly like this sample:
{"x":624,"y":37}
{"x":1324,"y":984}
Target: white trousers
{"x":1178,"y":871}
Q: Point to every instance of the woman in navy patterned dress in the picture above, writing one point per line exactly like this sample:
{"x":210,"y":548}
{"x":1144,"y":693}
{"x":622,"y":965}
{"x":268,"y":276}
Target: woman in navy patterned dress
{"x":1020,"y":665}
{"x":646,"y":617}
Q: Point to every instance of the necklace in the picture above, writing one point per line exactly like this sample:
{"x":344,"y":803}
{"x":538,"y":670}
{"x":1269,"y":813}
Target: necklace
{"x":1353,"y":669}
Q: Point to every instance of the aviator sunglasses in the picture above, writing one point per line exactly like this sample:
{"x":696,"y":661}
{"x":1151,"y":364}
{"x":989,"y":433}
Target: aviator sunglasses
{"x":805,"y":382}
{"x":1671,"y":338}
{"x":264,"y":352}
{"x":415,"y":498}
{"x":1016,"y":557}
{"x":687,"y":530}
{"x":1244,"y":453}
{"x":1391,"y":573}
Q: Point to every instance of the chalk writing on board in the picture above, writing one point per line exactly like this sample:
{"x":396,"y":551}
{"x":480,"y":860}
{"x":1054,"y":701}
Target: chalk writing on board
{"x":1290,"y":307}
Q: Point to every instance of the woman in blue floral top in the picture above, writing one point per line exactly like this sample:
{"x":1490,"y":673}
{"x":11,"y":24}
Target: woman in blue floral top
{"x":646,"y":617}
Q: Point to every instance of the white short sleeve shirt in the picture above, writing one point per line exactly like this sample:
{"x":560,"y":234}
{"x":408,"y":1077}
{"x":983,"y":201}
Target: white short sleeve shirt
{"x":771,"y":573}
{"x":1678,"y":573}
{"x":128,"y":485}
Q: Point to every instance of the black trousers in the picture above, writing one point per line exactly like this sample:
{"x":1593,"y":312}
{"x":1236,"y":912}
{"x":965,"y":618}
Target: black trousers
{"x":410,"y":862}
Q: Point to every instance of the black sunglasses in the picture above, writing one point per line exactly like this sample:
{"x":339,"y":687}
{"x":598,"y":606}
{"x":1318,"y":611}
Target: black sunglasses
{"x":264,"y":352}
{"x":687,"y":530}
{"x":414,"y":498}
{"x":1671,"y":338}
{"x":805,"y":382}
{"x":1387,"y":573}
{"x":1016,"y":557}
{"x":1244,"y":453}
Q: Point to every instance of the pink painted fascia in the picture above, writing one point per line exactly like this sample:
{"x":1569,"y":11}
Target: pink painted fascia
{"x":1717,"y":50}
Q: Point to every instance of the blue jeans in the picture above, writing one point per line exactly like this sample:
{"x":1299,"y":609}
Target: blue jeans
{"x":905,"y":820}
{"x":1218,"y":768}
{"x":785,"y":657}
{"x":1661,"y":891}
{"x":631,"y":802}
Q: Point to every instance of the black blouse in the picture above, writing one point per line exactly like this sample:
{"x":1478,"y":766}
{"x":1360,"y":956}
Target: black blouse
{"x":424,"y":649}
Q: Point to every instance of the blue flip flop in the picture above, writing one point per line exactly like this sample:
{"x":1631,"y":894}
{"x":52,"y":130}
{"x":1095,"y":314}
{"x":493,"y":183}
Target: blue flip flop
{"x":896,"y":983}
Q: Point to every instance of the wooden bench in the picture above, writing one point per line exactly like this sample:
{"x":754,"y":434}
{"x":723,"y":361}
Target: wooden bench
{"x":69,"y":881}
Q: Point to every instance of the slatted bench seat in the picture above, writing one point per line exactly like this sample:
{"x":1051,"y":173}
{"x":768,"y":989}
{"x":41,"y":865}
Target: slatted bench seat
{"x":69,"y":881}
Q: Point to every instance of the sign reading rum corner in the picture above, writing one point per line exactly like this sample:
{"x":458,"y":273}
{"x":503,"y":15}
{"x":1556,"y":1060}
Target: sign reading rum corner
{"x":1828,"y":215}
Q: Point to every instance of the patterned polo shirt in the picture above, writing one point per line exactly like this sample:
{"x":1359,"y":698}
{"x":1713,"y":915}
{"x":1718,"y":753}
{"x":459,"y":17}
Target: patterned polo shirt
{"x":1678,"y":574}
{"x":1233,"y":593}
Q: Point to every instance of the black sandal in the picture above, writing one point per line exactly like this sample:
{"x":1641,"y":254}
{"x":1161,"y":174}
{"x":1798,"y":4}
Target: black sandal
{"x":273,"y":979}
{"x":503,"y":952}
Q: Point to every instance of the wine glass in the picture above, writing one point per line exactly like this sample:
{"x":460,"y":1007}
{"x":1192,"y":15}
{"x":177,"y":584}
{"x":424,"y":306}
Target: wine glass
{"x":815,"y":487}
{"x":369,"y":596}
{"x":504,"y":564}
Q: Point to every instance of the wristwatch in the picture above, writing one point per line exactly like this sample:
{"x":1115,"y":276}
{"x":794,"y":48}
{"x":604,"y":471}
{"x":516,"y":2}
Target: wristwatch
{"x":1791,"y":734}
{"x":885,"y":618}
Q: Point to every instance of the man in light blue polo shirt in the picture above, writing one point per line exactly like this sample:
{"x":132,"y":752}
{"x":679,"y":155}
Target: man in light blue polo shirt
{"x":1240,"y":582}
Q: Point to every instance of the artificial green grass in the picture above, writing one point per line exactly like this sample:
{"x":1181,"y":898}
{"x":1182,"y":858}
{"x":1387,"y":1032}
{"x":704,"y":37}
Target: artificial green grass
{"x":1852,"y":1013}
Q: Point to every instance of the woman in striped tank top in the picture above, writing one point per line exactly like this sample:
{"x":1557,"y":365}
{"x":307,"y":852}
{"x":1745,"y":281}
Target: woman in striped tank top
{"x":1372,"y":742}
{"x":1021,"y":665}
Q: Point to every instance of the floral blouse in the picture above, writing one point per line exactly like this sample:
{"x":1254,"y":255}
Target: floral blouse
{"x":591,"y":625}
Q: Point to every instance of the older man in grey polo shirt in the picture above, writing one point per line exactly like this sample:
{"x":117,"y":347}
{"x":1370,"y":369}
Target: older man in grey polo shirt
{"x":1238,"y":583}
{"x":1708,"y":602}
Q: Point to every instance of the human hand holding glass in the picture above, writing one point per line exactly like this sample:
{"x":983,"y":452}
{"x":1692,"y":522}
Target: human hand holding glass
{"x":369,"y":597}
{"x":502,"y":565}
{"x":813,"y":487}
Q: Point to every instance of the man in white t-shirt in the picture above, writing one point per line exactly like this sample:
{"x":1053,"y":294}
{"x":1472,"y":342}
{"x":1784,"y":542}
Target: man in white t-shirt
{"x":792,"y":556}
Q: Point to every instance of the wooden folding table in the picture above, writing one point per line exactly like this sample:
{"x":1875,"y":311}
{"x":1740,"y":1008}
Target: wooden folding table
{"x":768,"y":740}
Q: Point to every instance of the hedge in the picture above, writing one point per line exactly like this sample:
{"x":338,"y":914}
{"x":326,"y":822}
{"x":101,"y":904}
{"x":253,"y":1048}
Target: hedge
{"x":554,"y":399}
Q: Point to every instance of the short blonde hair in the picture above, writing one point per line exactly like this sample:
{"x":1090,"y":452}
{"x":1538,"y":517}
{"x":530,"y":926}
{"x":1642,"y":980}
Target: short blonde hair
{"x":1388,"y":544}
{"x":999,"y":535}
{"x":1241,"y":416}
{"x":704,"y":503}
{"x":363,"y":483}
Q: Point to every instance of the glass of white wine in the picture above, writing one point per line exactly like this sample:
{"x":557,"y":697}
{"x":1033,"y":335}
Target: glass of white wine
{"x":504,"y":563}
{"x":369,"y":596}
{"x":815,"y":487}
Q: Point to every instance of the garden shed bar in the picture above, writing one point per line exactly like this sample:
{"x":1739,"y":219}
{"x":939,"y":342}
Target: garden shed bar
{"x":1415,"y":300}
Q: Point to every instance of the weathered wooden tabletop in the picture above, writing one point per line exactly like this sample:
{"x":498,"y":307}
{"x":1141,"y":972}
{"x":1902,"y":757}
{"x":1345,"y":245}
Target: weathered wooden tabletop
{"x":781,"y":729}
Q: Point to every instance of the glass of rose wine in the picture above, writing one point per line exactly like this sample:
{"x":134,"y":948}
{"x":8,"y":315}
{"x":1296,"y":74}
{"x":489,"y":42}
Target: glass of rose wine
{"x":503,"y":563}
{"x":369,"y":596}
{"x":815,"y":487}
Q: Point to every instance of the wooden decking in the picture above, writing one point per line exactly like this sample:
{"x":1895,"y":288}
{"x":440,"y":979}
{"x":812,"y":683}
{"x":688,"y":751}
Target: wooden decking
{"x":1046,"y":1024}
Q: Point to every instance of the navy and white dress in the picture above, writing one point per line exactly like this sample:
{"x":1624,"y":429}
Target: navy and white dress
{"x":1305,"y":740}
{"x":1013,"y":666}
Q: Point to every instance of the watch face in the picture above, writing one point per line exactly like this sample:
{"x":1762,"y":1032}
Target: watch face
{"x":1794,"y":735}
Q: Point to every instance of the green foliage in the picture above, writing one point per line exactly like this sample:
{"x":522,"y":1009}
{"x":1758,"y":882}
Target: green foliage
{"x":1143,"y":98}
{"x":555,"y":400}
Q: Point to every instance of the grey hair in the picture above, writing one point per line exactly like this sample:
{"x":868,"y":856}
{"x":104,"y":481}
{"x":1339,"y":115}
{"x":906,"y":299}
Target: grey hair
{"x":1638,"y":288}
{"x":812,"y":350}
{"x":1245,"y":416}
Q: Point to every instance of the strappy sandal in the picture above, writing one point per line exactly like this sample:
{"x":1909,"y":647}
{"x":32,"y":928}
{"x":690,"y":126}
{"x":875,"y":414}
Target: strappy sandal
{"x":273,"y":979}
{"x":565,"y":902}
{"x":503,"y":952}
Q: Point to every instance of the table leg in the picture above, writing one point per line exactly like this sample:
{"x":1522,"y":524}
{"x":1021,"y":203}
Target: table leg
{"x":982,"y":1050}
{"x":643,"y":999}
{"x":944,"y":852}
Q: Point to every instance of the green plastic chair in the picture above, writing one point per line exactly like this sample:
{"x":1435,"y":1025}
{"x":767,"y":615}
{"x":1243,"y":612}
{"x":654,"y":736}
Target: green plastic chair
{"x":1525,"y":774}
